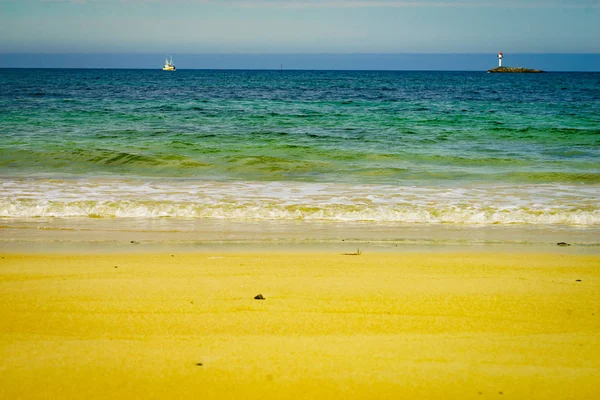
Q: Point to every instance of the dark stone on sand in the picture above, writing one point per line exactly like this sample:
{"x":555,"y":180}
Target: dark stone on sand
{"x":564,"y":244}
{"x":259,"y":297}
{"x":577,"y":280}
{"x":199,"y":364}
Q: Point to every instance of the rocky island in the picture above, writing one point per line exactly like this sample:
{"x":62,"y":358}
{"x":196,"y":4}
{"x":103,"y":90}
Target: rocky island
{"x":517,"y":70}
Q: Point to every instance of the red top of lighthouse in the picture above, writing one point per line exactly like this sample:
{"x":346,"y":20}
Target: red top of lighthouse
{"x":500,"y":53}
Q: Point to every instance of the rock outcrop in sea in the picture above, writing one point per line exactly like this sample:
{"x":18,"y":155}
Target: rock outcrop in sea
{"x":517,"y":70}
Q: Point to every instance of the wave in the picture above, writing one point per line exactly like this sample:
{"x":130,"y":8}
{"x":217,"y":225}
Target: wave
{"x":297,"y":161}
{"x":192,"y":199}
{"x":308,"y":212}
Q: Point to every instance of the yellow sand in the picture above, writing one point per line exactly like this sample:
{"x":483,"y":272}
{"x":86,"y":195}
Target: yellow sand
{"x":374,"y":326}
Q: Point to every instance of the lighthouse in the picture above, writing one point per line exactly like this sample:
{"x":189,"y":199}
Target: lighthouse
{"x":500,"y":60}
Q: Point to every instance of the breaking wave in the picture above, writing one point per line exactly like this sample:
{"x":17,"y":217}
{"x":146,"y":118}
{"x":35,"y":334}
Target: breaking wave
{"x":524,"y":204}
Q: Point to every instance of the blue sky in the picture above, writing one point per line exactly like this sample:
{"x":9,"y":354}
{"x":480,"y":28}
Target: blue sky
{"x":299,"y":26}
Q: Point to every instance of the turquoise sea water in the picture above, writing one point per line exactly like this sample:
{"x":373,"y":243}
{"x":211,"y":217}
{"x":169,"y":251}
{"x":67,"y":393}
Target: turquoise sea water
{"x":420,"y":148}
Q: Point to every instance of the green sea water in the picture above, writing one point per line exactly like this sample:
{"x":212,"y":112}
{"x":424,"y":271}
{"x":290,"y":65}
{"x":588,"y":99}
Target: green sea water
{"x":458,"y":148}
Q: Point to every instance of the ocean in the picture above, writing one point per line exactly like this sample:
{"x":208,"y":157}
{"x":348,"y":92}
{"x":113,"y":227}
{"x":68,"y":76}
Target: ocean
{"x":198,"y":156}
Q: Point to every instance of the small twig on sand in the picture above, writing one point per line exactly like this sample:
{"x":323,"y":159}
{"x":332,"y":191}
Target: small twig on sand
{"x":358,"y":253}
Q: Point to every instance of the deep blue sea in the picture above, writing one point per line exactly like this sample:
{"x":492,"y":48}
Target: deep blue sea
{"x":424,"y":148}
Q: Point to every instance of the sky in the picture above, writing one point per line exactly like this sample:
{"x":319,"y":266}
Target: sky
{"x":299,"y":26}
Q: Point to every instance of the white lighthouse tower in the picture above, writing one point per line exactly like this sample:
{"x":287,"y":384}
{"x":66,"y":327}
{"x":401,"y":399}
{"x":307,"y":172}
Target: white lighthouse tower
{"x":500,"y":60}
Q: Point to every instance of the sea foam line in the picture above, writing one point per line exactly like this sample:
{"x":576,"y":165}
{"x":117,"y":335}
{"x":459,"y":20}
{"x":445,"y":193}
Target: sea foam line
{"x":268,"y":211}
{"x":483,"y":204}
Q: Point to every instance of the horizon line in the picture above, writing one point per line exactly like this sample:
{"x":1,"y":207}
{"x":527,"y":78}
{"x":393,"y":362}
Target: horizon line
{"x":299,"y":54}
{"x":282,"y":69}
{"x":559,"y":62}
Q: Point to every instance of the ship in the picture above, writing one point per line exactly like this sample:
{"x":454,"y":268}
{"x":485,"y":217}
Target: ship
{"x":169,"y":66}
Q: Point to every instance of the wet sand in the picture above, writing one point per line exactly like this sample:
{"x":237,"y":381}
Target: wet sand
{"x":445,"y":325}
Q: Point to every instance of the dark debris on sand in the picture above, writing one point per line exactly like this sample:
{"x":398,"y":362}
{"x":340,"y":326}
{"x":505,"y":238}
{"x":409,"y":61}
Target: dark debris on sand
{"x":358,"y":253}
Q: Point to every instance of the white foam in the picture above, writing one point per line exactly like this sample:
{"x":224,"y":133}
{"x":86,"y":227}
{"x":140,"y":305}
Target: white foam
{"x":189,"y":199}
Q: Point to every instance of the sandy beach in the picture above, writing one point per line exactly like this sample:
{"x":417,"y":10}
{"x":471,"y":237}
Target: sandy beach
{"x":379,"y":325}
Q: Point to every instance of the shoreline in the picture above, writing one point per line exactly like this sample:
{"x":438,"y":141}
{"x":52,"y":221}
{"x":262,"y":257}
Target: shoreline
{"x":139,"y":236}
{"x":316,"y":247}
{"x":408,"y":325}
